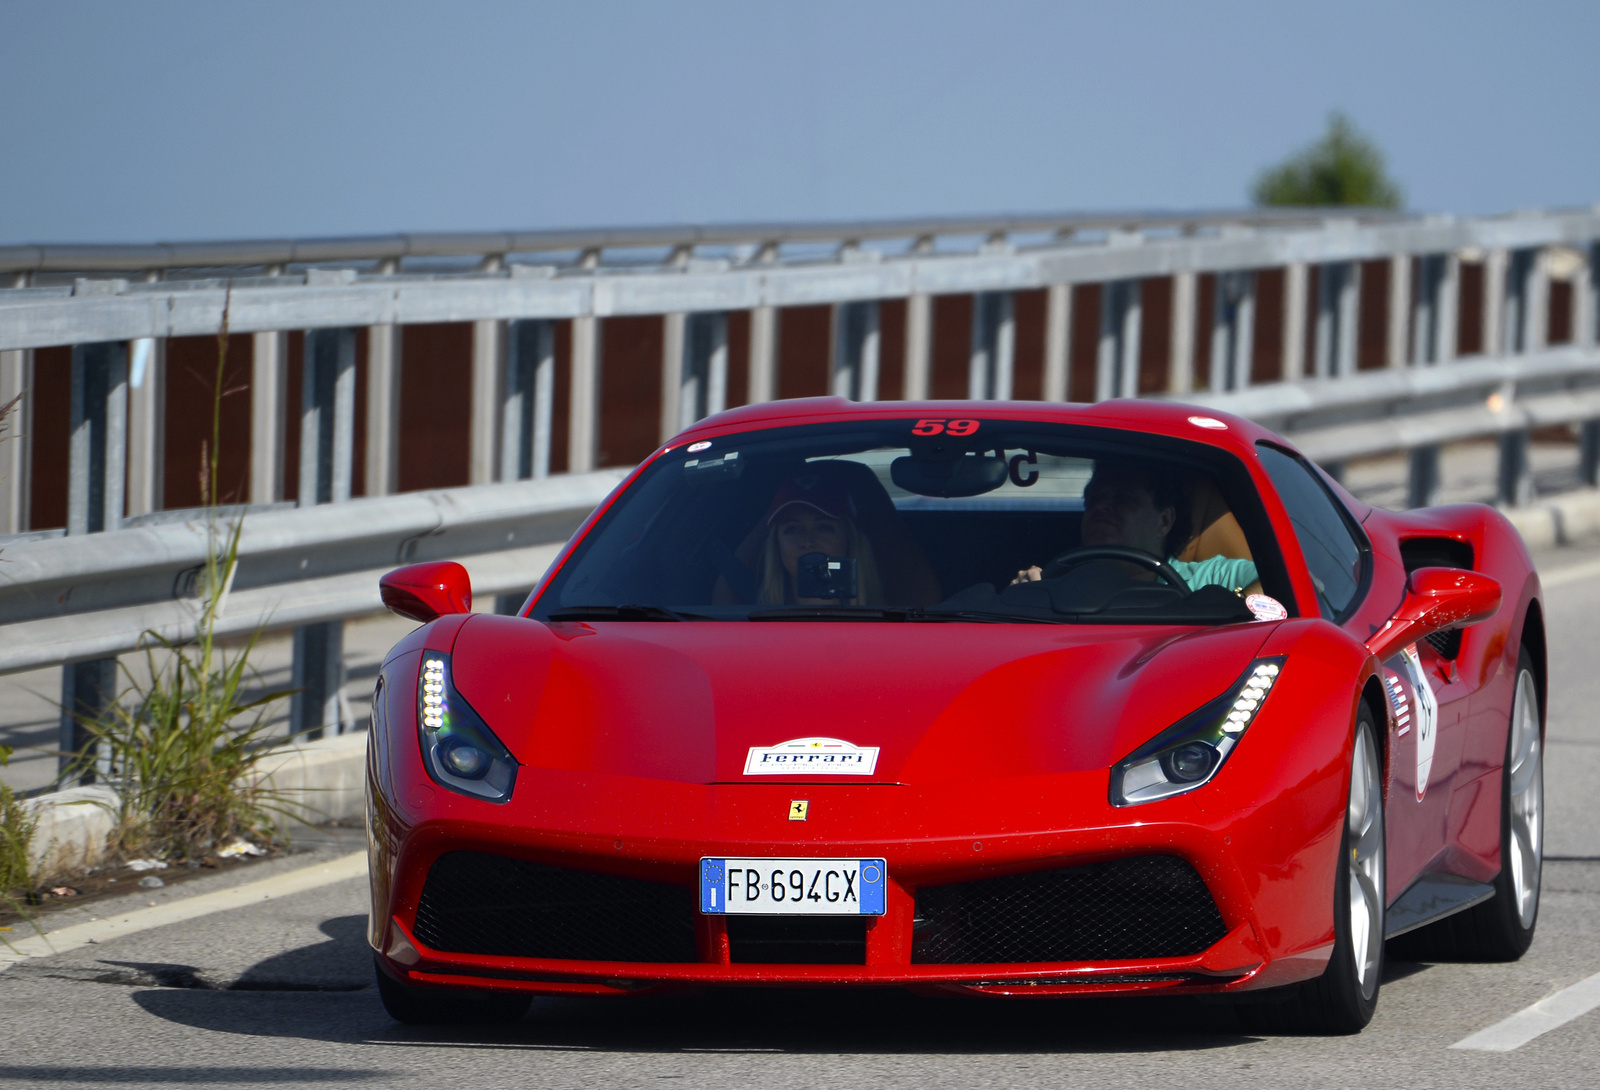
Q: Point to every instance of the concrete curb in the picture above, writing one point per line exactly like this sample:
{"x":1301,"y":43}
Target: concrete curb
{"x":1563,"y":519}
{"x":317,"y":782}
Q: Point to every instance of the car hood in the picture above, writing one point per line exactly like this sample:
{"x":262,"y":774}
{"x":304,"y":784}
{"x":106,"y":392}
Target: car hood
{"x":686,"y":701}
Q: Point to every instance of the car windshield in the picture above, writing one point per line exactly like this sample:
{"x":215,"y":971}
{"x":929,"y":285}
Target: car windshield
{"x":971,"y":520}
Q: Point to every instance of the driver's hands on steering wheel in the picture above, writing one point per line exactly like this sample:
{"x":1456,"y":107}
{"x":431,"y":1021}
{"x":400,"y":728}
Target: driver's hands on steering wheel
{"x":1028,"y":575}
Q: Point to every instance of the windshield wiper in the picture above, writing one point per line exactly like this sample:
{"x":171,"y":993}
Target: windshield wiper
{"x":827,"y":613}
{"x":622,"y":613}
{"x":878,"y":613}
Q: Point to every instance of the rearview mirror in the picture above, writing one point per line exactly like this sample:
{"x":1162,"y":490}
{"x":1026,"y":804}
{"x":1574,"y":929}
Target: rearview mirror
{"x":422,"y":592}
{"x":1436,"y":599}
{"x":965,"y":475}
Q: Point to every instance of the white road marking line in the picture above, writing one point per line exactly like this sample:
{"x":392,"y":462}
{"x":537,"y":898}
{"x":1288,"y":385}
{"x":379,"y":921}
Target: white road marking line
{"x":1570,"y":575}
{"x":342,"y":869}
{"x":1544,"y":1016}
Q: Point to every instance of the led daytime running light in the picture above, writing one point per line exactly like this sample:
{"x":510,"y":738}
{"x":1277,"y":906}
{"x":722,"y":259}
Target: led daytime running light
{"x":1170,"y":763}
{"x":460,"y":751}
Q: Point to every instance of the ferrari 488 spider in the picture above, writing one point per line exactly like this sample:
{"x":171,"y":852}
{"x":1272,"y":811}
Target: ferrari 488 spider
{"x":994,"y":698}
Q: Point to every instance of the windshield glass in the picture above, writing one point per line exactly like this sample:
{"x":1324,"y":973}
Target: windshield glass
{"x":943,"y":520}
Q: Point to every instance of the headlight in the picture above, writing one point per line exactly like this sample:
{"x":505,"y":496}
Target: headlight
{"x":1188,"y":753}
{"x":458,"y":747}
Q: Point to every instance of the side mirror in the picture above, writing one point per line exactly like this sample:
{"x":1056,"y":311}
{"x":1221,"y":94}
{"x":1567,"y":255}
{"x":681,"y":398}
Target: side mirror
{"x":422,"y":592}
{"x":1436,"y":599}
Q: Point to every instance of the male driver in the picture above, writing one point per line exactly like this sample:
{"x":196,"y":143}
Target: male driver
{"x":1138,"y":508}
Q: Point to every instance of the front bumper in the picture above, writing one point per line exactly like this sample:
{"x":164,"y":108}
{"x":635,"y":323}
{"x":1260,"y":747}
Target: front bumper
{"x":1268,"y":868}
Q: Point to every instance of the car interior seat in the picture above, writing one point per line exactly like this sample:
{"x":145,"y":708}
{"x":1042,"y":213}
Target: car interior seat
{"x":1215,"y":530}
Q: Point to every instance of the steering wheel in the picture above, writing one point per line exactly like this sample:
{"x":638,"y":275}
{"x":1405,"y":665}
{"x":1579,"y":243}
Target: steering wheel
{"x":1074,"y":558}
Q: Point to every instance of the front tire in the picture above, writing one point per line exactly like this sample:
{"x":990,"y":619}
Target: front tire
{"x":1501,"y":929}
{"x":1343,"y":999}
{"x":446,"y":1006}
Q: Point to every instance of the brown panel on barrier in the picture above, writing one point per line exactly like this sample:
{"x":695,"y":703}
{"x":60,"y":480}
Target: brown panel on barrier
{"x":1205,"y":315}
{"x":1028,"y":310}
{"x":1469,"y":310}
{"x":294,"y":354}
{"x":630,"y":388}
{"x":891,"y":349}
{"x":561,"y":396}
{"x":191,"y":388}
{"x":1155,"y":334}
{"x":1082,"y":353}
{"x":738,"y":358}
{"x":1266,"y":361}
{"x":52,"y":437}
{"x":435,"y":405}
{"x":952,"y":346}
{"x":1559,"y":330}
{"x":1372,"y":342}
{"x":358,"y":426}
{"x":803,"y":334}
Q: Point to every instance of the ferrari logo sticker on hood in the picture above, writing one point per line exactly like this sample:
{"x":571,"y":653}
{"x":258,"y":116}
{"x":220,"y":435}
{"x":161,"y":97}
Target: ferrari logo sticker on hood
{"x":811,"y":757}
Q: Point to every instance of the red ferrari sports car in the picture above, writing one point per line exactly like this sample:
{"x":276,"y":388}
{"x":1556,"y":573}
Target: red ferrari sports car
{"x":996,"y":698}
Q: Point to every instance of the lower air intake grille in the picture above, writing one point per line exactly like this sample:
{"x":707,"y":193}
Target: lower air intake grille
{"x":474,"y":903}
{"x":1150,"y":906}
{"x":797,"y":940}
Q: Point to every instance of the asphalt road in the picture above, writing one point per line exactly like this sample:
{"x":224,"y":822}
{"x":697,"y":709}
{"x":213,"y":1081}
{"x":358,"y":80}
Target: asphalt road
{"x":281,"y":994}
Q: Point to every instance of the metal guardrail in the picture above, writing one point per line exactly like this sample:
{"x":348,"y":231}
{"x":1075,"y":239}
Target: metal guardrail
{"x":117,"y":305}
{"x":88,"y":597}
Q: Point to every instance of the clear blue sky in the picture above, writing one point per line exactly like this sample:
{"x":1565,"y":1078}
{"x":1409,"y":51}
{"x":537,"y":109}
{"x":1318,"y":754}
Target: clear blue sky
{"x":137,"y":121}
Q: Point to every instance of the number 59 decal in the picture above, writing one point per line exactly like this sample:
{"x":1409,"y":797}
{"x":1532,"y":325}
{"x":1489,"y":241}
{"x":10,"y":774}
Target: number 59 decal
{"x":945,"y":427}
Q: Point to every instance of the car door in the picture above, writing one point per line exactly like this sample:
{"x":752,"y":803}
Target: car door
{"x":1359,"y":591}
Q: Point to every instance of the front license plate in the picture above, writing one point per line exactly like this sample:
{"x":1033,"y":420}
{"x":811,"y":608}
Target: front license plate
{"x":792,"y":887}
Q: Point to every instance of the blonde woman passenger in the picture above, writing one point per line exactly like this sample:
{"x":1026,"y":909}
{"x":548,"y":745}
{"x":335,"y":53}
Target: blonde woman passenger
{"x":810,"y":514}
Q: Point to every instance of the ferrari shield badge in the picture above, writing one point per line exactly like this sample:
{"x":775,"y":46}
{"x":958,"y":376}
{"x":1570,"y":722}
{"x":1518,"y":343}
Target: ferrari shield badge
{"x":1415,"y":707}
{"x":811,"y":757}
{"x":798,"y":809}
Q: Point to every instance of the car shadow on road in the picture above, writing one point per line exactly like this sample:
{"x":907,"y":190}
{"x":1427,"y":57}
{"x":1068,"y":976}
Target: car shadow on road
{"x":323,"y":992}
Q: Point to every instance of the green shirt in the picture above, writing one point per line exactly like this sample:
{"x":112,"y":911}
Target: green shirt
{"x":1222,"y":571}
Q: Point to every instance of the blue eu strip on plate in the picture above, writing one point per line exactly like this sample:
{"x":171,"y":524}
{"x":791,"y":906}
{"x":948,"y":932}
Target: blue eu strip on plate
{"x":792,"y":887}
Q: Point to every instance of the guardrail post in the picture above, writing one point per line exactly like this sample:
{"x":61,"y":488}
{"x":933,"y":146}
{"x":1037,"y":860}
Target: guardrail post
{"x":1516,"y":472}
{"x":583,"y":429}
{"x":269,"y":414}
{"x":1422,"y":477}
{"x":147,"y":419}
{"x":1233,"y":322}
{"x":1433,"y":322}
{"x":1585,"y":301}
{"x":382,"y":464}
{"x":327,"y":424}
{"x":1180,"y":365}
{"x":1338,"y":318}
{"x":704,"y":388}
{"x":488,"y":369}
{"x":98,"y":448}
{"x":1117,"y":360}
{"x":1589,"y":452}
{"x":527,"y":409}
{"x":16,"y":439}
{"x":1294,"y":321}
{"x":88,"y":690}
{"x":763,"y":354}
{"x":854,"y":365}
{"x":1494,"y":302}
{"x":1399,"y":315}
{"x":1057,"y":340}
{"x":1521,"y":303}
{"x":992,"y":359}
{"x":96,"y":474}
